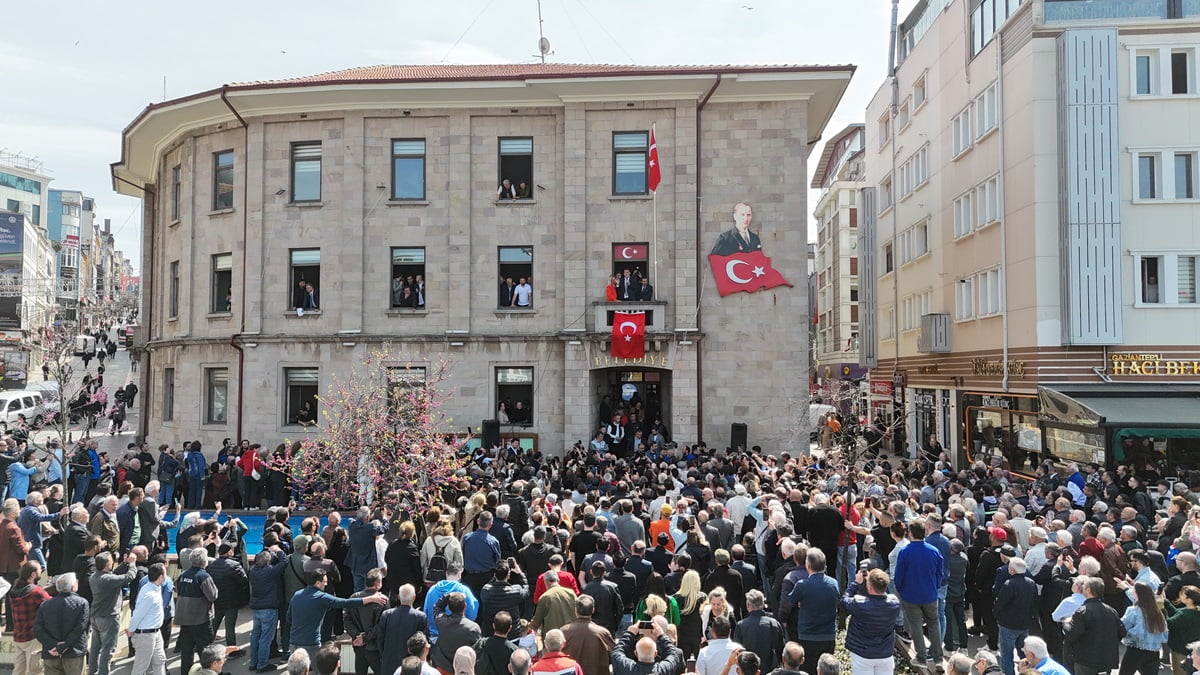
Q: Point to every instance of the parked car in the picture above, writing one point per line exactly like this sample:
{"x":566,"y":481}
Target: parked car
{"x":19,"y":402}
{"x":51,"y":393}
{"x":85,"y":345}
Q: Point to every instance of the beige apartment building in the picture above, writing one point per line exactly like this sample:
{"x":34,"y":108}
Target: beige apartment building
{"x":1034,"y":234}
{"x":840,"y":175}
{"x":280,"y":217}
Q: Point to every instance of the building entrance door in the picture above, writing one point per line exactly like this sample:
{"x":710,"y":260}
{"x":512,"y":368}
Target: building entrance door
{"x":641,"y":393}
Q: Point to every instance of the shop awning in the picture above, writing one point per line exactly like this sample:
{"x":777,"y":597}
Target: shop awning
{"x":1157,"y":406}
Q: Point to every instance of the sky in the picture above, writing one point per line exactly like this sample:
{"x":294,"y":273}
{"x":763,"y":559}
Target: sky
{"x":82,"y":70}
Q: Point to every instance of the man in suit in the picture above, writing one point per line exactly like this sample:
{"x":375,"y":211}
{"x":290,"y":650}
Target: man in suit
{"x":362,"y":556}
{"x":150,"y":516}
{"x":627,"y":286}
{"x":721,"y":526}
{"x":739,"y":239}
{"x":646,"y":292}
{"x":396,"y":625}
{"x":506,"y":291}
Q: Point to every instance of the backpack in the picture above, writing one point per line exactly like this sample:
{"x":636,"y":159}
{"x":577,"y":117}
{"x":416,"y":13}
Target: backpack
{"x":435,"y":571}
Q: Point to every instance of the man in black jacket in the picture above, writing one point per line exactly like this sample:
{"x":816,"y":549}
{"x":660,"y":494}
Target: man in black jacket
{"x":507,"y":592}
{"x":1185,"y":562}
{"x":646,"y":655}
{"x":760,"y":633}
{"x":493,"y":651}
{"x":396,"y":626}
{"x":1014,"y":610}
{"x":626,"y":583}
{"x":61,"y":625}
{"x":639,"y":566}
{"x":1094,"y":632}
{"x":233,"y":592}
{"x":360,"y":621}
{"x":659,"y":556}
{"x":534,"y":559}
{"x":503,"y":532}
{"x":75,"y":535}
{"x":518,"y":510}
{"x":726,"y":577}
{"x":607,"y":597}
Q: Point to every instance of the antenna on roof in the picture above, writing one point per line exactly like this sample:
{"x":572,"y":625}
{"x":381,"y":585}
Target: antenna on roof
{"x":543,"y":41}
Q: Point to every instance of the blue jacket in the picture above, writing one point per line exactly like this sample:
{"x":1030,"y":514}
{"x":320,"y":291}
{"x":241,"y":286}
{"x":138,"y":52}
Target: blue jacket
{"x":872,"y":630}
{"x":30,"y":521}
{"x":18,"y":487}
{"x":125,"y":516}
{"x":942,"y":544}
{"x":481,"y":552}
{"x":362,"y":555}
{"x":816,"y":598}
{"x":94,"y":457}
{"x":308,"y":611}
{"x":442,"y":588}
{"x":919,"y":572}
{"x":266,"y":583}
{"x":195,"y":464}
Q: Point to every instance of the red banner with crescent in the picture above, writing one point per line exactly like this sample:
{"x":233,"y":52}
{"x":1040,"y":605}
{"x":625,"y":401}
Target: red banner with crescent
{"x":632,"y":252}
{"x":749,"y":272}
{"x":629,"y":335}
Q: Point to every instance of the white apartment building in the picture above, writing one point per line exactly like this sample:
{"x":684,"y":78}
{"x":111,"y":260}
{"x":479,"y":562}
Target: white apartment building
{"x":839,"y":175}
{"x":1033,"y":232}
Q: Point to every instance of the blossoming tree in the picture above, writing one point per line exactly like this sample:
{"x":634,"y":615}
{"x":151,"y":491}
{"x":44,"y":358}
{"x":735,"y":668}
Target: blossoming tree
{"x":381,"y":429}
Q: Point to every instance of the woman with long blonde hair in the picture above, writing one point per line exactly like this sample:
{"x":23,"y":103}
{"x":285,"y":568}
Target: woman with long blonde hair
{"x":717,"y":604}
{"x":689,"y":599}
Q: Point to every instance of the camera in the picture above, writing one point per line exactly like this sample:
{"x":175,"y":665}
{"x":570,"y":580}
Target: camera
{"x":866,"y":565}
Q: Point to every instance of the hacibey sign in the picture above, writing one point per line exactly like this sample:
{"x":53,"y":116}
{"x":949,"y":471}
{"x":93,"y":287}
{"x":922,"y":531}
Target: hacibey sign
{"x":985,"y":367}
{"x":1152,"y":364}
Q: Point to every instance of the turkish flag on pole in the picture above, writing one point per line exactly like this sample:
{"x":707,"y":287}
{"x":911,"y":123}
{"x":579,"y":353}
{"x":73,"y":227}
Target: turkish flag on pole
{"x":653,"y":172}
{"x":747,"y":272}
{"x":629,"y":335}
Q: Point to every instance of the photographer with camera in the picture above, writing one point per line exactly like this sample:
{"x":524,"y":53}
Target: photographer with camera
{"x":871,"y":633}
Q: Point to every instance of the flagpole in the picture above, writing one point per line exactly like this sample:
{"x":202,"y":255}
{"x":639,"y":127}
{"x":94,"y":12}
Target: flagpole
{"x":654,"y":244}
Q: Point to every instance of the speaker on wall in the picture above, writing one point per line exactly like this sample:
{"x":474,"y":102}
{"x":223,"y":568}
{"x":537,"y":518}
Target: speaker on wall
{"x":491,"y":434}
{"x":737,"y":435}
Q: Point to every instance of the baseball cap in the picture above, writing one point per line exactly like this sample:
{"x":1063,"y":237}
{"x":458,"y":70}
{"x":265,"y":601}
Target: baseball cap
{"x":998,"y":533}
{"x":1008,"y":551}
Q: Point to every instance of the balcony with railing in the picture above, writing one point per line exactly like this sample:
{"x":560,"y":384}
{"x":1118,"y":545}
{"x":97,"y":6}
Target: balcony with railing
{"x":656,"y":314}
{"x":1064,"y":11}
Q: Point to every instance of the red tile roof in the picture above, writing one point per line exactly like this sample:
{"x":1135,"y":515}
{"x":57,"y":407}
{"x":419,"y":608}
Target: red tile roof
{"x":436,"y":73}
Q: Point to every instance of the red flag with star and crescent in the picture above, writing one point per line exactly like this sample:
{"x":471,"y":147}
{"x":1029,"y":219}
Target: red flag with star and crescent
{"x":629,"y":335}
{"x":653,"y":171}
{"x":750,"y":271}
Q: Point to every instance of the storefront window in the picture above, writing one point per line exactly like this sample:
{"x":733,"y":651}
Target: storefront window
{"x":1069,"y":445}
{"x":1004,"y":427}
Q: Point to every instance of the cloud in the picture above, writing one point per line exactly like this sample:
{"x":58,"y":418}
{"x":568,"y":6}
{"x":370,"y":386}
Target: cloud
{"x":434,"y":51}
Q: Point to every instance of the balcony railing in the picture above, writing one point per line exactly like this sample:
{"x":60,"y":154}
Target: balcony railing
{"x":1102,"y":10}
{"x":656,"y":314}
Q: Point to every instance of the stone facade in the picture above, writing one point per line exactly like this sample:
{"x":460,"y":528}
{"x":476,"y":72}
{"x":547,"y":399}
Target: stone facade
{"x":716,"y":360}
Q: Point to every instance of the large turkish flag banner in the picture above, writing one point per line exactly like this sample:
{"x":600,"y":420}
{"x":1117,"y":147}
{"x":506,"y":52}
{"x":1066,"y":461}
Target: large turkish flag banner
{"x":629,"y":335}
{"x":750,"y":271}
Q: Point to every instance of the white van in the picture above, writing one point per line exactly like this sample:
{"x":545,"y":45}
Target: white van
{"x":85,"y":345}
{"x":21,"y":402}
{"x":815,"y":412}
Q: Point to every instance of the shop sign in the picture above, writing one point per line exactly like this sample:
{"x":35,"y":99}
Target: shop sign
{"x":1152,"y":364}
{"x":928,"y":370}
{"x":881,"y":388}
{"x":986,"y":367}
{"x":996,"y":402}
{"x":923,"y":398}
{"x":647,"y":360}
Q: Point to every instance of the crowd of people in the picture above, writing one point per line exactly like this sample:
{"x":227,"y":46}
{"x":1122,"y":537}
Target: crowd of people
{"x":650,"y":558}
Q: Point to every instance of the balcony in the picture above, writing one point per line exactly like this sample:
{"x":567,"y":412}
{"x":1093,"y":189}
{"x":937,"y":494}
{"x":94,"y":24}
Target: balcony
{"x":656,"y":314}
{"x":1061,"y":11}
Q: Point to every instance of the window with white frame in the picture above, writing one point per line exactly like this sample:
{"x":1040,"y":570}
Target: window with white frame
{"x":904,"y":115}
{"x":1146,"y":75}
{"x":962,"y":132}
{"x":885,"y":128}
{"x":919,"y":94}
{"x":913,"y":173}
{"x":964,"y":299}
{"x":914,"y":242}
{"x":964,"y":214}
{"x":885,"y":194}
{"x":986,"y":19}
{"x":913,"y":308}
{"x":887,"y":329}
{"x":985,"y":112}
{"x":1167,"y":278}
{"x":990,"y":293}
{"x":1165,"y":175}
{"x":889,"y":258}
{"x":1183,"y":71}
{"x":987,"y":202}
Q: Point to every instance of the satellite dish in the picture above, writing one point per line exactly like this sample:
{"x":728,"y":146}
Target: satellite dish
{"x":544,"y":45}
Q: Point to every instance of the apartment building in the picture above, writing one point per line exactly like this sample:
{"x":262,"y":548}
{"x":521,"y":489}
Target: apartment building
{"x":1034,"y":231}
{"x":840,"y":175}
{"x":279,"y":217}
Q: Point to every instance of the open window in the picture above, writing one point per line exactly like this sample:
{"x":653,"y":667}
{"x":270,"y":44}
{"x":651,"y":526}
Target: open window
{"x":514,"y":389}
{"x":222,"y":283}
{"x":632,"y":256}
{"x":216,"y":395}
{"x":516,"y":276}
{"x":1151,"y":279}
{"x":306,"y":278}
{"x":300,"y":400}
{"x":516,"y":167}
{"x":408,"y":278}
